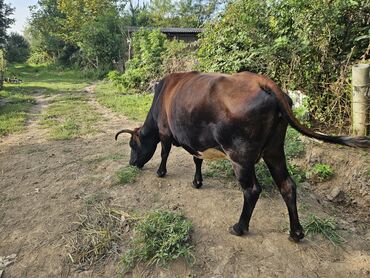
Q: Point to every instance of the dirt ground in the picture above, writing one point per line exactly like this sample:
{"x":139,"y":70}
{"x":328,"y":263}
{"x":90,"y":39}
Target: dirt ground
{"x":44,"y":185}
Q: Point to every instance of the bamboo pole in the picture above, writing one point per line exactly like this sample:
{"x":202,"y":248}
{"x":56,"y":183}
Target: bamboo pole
{"x":360,"y":96}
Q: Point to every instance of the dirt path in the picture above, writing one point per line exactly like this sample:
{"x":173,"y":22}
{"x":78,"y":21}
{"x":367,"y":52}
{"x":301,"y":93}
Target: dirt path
{"x":44,"y":185}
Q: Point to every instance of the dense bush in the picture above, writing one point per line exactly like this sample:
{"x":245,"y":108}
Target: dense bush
{"x":178,"y":56}
{"x":145,"y":64}
{"x":306,"y":45}
{"x":153,"y":57}
{"x":17,"y":49}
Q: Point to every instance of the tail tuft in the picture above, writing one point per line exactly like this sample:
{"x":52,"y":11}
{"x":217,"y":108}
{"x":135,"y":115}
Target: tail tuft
{"x":357,"y":142}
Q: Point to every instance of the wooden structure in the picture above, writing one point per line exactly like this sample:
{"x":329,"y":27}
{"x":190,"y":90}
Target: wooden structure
{"x":184,"y":34}
{"x":360,"y":99}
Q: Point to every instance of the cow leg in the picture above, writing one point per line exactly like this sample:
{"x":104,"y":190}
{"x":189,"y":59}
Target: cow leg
{"x":277,"y":166}
{"x":166,"y":148}
{"x":251,"y":191}
{"x":198,"y":179}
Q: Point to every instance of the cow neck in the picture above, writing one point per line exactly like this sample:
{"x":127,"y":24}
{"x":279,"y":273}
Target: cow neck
{"x":149,"y":127}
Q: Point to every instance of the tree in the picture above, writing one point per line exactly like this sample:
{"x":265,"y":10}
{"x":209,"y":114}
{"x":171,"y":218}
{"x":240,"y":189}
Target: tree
{"x":45,"y":31}
{"x":6,"y":12}
{"x":81,"y":12}
{"x":101,"y":41}
{"x":17,"y":48}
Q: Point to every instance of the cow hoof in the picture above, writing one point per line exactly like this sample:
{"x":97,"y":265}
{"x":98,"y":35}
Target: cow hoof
{"x":235,"y":230}
{"x":296,"y":237}
{"x":196,"y":184}
{"x":161,"y":174}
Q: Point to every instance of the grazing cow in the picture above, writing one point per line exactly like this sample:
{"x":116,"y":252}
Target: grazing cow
{"x":241,"y":117}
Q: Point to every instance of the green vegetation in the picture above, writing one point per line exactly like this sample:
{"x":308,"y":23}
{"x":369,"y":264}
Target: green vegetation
{"x":293,"y":144}
{"x":323,"y":171}
{"x":159,"y":238}
{"x":70,"y":116}
{"x":127,"y":174}
{"x":13,"y":111}
{"x":295,"y":43}
{"x":219,"y":169}
{"x":91,"y":34}
{"x":145,"y":65}
{"x":135,"y":107}
{"x":154,"y":57}
{"x":326,"y":227}
{"x":17,"y":49}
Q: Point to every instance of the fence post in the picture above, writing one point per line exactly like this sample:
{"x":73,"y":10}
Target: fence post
{"x":2,"y":68}
{"x":360,"y":96}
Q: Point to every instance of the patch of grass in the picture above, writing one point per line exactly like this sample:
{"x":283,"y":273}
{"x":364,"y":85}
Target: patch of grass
{"x":322,"y":171}
{"x":219,"y":169}
{"x":314,"y":225}
{"x":159,"y":238}
{"x":294,"y":146}
{"x":97,"y":235}
{"x":17,"y":99}
{"x":127,"y":174}
{"x":70,"y":116}
{"x":135,"y":107}
{"x":13,"y":111}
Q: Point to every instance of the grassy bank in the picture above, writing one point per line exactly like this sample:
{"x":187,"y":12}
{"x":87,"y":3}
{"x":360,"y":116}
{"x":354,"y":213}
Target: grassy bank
{"x":135,"y":107}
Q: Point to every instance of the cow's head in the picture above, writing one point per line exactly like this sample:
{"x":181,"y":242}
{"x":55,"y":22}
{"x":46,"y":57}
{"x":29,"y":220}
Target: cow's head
{"x":142,"y":146}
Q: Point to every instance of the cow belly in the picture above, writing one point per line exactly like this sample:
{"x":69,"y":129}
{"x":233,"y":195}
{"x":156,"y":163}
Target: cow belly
{"x":211,"y":154}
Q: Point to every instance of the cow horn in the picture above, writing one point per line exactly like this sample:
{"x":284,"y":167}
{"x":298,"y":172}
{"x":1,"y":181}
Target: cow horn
{"x":124,"y":131}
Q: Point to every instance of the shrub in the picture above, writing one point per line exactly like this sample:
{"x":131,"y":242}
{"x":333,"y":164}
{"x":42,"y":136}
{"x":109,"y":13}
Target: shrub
{"x":305,"y":45}
{"x":160,"y":237}
{"x":178,"y":56}
{"x":323,"y":171}
{"x":326,"y":227}
{"x":147,"y":47}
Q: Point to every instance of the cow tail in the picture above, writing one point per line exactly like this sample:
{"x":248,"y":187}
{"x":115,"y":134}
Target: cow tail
{"x":285,"y":108}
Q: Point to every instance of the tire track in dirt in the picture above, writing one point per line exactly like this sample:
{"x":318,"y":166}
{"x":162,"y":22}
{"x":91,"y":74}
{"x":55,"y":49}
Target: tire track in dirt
{"x":45,"y":184}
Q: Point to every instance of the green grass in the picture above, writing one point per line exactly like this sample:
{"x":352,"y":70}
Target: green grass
{"x":14,"y":107}
{"x":219,"y":169}
{"x":135,"y":107}
{"x":322,"y":171}
{"x":293,"y":144}
{"x":326,"y":227}
{"x":159,"y":238}
{"x":127,"y":174}
{"x":17,"y":99}
{"x":70,"y":116}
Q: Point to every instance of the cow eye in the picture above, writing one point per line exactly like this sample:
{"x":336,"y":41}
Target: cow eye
{"x":132,"y":144}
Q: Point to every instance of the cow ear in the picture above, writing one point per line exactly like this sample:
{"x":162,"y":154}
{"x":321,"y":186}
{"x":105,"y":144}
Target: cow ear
{"x":137,"y":130}
{"x":136,"y":137}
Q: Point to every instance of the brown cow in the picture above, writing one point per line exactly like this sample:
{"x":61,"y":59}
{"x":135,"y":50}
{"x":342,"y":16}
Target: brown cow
{"x":242,"y":117}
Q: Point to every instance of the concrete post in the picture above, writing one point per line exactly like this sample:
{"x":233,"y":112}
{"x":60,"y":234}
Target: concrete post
{"x":360,"y":97}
